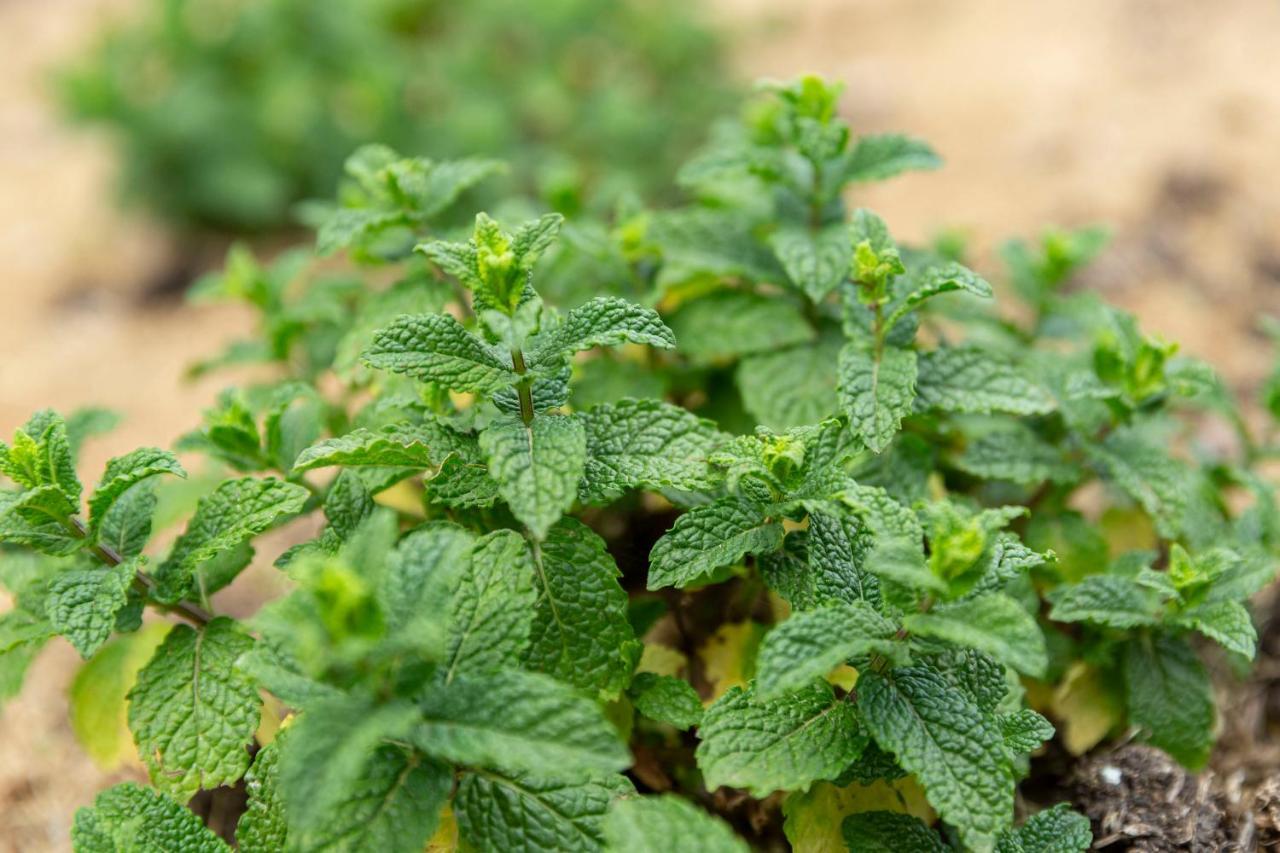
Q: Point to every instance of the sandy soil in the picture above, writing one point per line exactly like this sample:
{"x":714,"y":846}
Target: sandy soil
{"x":1148,"y":116}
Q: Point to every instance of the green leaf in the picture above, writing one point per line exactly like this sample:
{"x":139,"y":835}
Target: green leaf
{"x":1170,"y":696}
{"x":1054,"y":830}
{"x":644,"y":444}
{"x":130,"y":817}
{"x":519,"y":722}
{"x":1015,"y":454}
{"x":1116,"y":602}
{"x":726,"y":324}
{"x":37,"y":518}
{"x":890,"y":832}
{"x":491,"y":609}
{"x":947,"y":278}
{"x":419,"y":446}
{"x":877,"y":157}
{"x":876,"y":391}
{"x":1145,"y":470}
{"x":436,"y":348}
{"x":329,"y":750}
{"x":124,"y":472}
{"x":236,"y":511}
{"x":811,"y":643}
{"x":98,"y":709}
{"x":83,"y":603}
{"x":126,"y":526}
{"x":537,"y":466}
{"x":1024,"y":731}
{"x":817,"y":262}
{"x":666,"y":699}
{"x":1227,"y":623}
{"x":605,"y":321}
{"x":525,"y":814}
{"x":41,"y":456}
{"x":993,"y":623}
{"x":580,"y":634}
{"x":954,"y":750}
{"x":421,"y":573}
{"x":664,"y":823}
{"x":780,"y":745}
{"x":192,"y":713}
{"x":970,"y":380}
{"x":263,"y":828}
{"x":708,"y":537}
{"x":791,"y":387}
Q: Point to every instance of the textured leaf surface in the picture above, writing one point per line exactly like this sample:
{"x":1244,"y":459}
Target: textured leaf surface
{"x":124,"y":472}
{"x":1146,"y":471}
{"x":811,"y":643}
{"x":730,"y":323}
{"x":192,"y":713}
{"x":879,"y":156}
{"x":667,"y":823}
{"x":1170,"y":697}
{"x":992,"y":623}
{"x":263,"y":828}
{"x":1109,"y":600}
{"x":815,"y":263}
{"x":876,"y":392}
{"x":1054,"y":830}
{"x":644,"y":444}
{"x":605,"y":321}
{"x":1225,"y":622}
{"x":580,"y":633}
{"x":525,"y":814}
{"x":537,"y":467}
{"x":1016,"y":455}
{"x":708,"y":537}
{"x":234,"y":512}
{"x":491,"y":609}
{"x":971,"y":381}
{"x":83,"y":603}
{"x":126,"y":526}
{"x":130,"y":817}
{"x":521,"y":723}
{"x":779,"y":745}
{"x":953,"y":749}
{"x":422,"y":446}
{"x":1024,"y":731}
{"x":793,"y":386}
{"x":890,"y":832}
{"x":667,"y":699}
{"x":437,"y":348}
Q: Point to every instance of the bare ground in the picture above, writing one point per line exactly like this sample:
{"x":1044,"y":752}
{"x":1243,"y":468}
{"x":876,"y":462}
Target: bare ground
{"x":1157,"y":118}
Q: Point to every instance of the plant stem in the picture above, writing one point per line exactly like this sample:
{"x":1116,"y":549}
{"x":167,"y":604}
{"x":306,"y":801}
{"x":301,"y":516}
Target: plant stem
{"x":188,"y":610}
{"x":524,"y":389}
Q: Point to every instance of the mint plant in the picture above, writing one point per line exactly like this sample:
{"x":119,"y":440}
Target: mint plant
{"x":738,"y":523}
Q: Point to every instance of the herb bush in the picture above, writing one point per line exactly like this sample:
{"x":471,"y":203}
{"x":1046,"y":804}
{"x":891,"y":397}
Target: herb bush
{"x":725,"y":525}
{"x":228,"y":112}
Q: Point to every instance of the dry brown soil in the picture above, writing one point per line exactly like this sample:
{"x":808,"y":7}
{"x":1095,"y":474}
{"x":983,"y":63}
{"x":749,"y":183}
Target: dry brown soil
{"x":1158,"y":118}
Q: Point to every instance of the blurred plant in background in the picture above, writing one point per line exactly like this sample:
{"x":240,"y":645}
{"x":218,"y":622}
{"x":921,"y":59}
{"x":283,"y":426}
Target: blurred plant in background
{"x":228,"y":112}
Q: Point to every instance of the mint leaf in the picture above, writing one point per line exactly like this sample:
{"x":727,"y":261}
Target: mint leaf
{"x":954,"y":750}
{"x":791,"y":387}
{"x":708,"y":537}
{"x":192,"y":713}
{"x":1170,"y":696}
{"x":993,"y":623}
{"x":817,"y":262}
{"x":436,"y":348}
{"x":947,"y":278}
{"x":420,"y":446}
{"x":876,"y":391}
{"x":1109,"y":600}
{"x":1054,"y":830}
{"x":779,"y":745}
{"x":644,"y":444}
{"x":876,"y":157}
{"x":130,"y":817}
{"x":656,"y":824}
{"x":234,"y":512}
{"x":580,"y":632}
{"x":726,"y":324}
{"x":126,"y":526}
{"x":82,"y":604}
{"x":263,"y":828}
{"x":491,"y":609}
{"x":890,"y":832}
{"x":422,"y":572}
{"x":1017,"y":455}
{"x":666,"y":699}
{"x":537,"y":466}
{"x":605,"y":321}
{"x":518,"y":722}
{"x":811,"y":643}
{"x":1024,"y":731}
{"x":126,"y":471}
{"x":969,"y":380}
{"x":1227,"y":623}
{"x":1146,"y":471}
{"x":525,"y":813}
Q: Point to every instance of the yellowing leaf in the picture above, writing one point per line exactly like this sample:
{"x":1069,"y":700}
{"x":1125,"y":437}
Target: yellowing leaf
{"x":843,"y":676}
{"x":1128,"y":530}
{"x":446,"y":838}
{"x":661,"y":660}
{"x":729,"y":656}
{"x":813,"y":818}
{"x":1085,"y":708}
{"x":97,"y":695}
